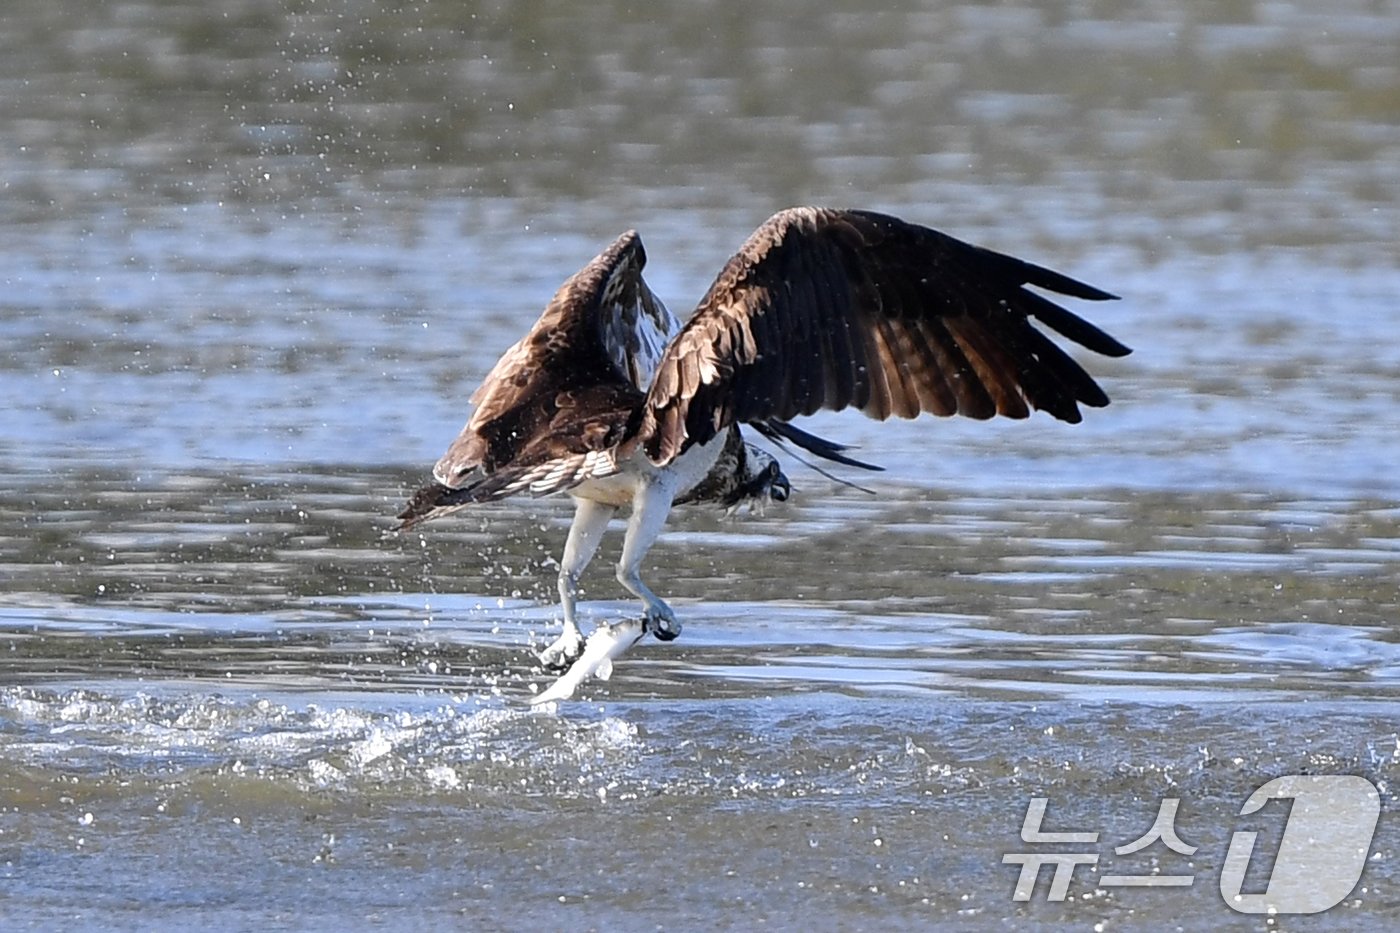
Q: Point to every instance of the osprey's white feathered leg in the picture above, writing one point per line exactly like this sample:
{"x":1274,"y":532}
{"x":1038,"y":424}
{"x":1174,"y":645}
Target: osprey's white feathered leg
{"x":590,"y":522}
{"x":650,"y":492}
{"x":651,"y":504}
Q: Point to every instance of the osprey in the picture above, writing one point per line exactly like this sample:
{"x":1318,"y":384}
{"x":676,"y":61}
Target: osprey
{"x":611,"y":399}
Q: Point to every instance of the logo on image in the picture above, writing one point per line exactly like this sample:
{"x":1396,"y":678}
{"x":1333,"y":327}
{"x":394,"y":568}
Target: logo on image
{"x":1319,"y":861}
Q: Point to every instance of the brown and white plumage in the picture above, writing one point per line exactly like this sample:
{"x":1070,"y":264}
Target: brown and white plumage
{"x":609,"y":398}
{"x":554,"y":408}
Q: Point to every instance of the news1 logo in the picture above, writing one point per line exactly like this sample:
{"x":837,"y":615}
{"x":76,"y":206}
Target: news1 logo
{"x":1320,"y":856}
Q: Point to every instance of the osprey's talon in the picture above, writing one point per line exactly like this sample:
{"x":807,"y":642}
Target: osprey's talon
{"x":562,"y":652}
{"x":661,"y":622}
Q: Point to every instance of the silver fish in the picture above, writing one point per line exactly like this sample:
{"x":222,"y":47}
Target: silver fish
{"x":605,"y":644}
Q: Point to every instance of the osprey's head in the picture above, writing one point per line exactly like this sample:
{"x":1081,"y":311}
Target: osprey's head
{"x":760,"y":479}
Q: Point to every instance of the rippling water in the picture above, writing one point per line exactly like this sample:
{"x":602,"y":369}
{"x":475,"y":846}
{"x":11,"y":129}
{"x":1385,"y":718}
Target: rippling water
{"x":255,"y":257}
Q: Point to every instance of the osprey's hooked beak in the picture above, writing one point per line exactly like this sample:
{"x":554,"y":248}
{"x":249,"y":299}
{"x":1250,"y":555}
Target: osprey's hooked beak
{"x":779,"y":488}
{"x":768,"y":484}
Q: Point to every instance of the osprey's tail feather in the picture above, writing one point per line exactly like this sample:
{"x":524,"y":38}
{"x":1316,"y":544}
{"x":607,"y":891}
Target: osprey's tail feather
{"x":434,"y":501}
{"x":780,"y":431}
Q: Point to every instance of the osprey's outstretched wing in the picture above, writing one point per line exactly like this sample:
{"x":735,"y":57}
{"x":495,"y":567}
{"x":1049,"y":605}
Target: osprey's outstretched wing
{"x":556,"y":404}
{"x":829,"y":308}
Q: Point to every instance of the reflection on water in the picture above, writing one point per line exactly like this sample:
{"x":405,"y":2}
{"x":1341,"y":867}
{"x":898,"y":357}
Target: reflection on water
{"x":256,"y":255}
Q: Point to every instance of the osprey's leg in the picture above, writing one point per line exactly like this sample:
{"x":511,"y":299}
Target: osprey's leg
{"x":650,"y":507}
{"x":590,"y":521}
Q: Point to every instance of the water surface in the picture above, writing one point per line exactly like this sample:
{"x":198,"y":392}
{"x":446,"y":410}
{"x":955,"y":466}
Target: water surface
{"x":256,"y":256}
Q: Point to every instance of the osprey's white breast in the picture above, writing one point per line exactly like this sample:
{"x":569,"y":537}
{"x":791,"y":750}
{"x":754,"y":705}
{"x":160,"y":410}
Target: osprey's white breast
{"x":637,"y":474}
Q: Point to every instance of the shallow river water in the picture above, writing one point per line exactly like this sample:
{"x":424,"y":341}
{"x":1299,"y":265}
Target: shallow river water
{"x":256,"y":255}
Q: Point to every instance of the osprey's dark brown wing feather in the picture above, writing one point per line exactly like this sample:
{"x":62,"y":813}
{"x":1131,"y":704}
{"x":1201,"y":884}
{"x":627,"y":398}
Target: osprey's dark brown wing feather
{"x":832,"y":309}
{"x":552,"y":398}
{"x":578,"y":442}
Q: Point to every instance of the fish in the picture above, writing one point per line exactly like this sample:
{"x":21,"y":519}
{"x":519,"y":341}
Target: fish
{"x":607,"y":643}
